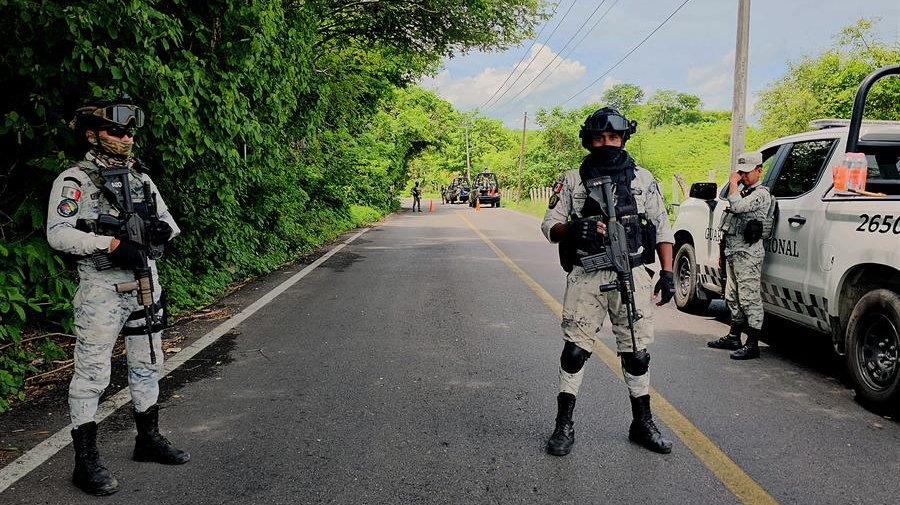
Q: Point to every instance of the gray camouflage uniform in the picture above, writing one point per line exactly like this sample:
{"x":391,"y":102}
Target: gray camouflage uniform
{"x":584,"y":307}
{"x":101,"y":312}
{"x":743,"y":261}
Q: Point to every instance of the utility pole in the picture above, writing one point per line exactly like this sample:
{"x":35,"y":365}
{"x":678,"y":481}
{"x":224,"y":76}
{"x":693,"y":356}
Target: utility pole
{"x":521,"y":156}
{"x":468,"y":163}
{"x":739,"y":99}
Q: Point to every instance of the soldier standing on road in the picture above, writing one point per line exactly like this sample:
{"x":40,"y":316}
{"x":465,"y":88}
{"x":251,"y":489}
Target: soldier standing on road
{"x":417,"y":197}
{"x":574,"y":220}
{"x":79,"y":198}
{"x":741,"y":231}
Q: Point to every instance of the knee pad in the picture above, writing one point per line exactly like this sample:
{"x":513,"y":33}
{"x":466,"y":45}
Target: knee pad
{"x":572,"y":358}
{"x":636,"y":363}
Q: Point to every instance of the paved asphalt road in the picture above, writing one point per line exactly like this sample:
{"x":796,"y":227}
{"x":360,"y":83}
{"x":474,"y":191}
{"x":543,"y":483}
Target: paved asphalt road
{"x":416,"y":366}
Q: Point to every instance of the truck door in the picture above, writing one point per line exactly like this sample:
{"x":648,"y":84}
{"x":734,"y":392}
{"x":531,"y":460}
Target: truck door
{"x":792,"y":250}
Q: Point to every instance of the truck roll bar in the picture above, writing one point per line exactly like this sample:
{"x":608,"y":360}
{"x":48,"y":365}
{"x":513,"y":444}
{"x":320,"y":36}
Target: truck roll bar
{"x":859,"y":105}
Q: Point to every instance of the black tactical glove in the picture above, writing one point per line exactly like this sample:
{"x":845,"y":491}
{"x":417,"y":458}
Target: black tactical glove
{"x":127,"y":255}
{"x":582,"y":232}
{"x":159,"y":231}
{"x":665,"y":286}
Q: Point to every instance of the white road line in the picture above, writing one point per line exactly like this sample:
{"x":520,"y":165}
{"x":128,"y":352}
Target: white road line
{"x":54,"y":443}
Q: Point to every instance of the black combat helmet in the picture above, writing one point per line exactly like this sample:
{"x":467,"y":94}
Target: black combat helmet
{"x":102,"y":112}
{"x":606,"y":119}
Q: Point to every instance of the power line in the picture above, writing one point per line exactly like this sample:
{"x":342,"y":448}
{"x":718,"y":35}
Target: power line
{"x":555,"y":56}
{"x":573,"y":47}
{"x":511,"y":72}
{"x":537,"y":53}
{"x":626,"y":55}
{"x":563,"y":58}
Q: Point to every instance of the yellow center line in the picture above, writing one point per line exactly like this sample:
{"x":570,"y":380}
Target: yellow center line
{"x":727,"y":471}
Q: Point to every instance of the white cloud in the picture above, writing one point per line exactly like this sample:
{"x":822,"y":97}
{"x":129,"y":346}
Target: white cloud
{"x":470,"y":92}
{"x":713,"y":82}
{"x":607,"y":83}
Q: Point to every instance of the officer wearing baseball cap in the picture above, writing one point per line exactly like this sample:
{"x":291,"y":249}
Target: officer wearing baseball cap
{"x":743,"y":255}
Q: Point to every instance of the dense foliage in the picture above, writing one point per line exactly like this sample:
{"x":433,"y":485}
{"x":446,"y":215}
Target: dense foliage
{"x":272,"y":128}
{"x":825,"y":86}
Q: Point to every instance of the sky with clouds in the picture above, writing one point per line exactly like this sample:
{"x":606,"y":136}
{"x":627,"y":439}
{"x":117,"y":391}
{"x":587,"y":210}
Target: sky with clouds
{"x":693,"y":52}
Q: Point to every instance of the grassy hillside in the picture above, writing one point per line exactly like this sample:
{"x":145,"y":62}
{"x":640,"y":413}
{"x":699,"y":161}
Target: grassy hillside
{"x":690,"y":150}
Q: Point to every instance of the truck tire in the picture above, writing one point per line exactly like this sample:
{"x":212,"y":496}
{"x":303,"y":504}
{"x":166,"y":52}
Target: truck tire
{"x":873,"y":342}
{"x":686,"y":279}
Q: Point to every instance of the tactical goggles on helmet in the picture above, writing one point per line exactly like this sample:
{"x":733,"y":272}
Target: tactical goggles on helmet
{"x":121,"y":114}
{"x":604,"y":122}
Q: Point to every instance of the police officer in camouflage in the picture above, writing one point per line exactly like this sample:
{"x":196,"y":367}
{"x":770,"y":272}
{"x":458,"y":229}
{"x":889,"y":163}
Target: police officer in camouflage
{"x":575,"y":221}
{"x":79,"y":199}
{"x":742,"y":229}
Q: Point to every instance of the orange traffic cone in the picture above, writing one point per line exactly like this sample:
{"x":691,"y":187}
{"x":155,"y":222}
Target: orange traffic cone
{"x":430,"y":205}
{"x":478,"y":204}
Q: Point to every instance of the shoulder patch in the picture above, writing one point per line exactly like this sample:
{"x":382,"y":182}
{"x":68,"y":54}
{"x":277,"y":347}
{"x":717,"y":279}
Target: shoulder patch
{"x":558,"y":186}
{"x":71,"y":193}
{"x":69,"y":178}
{"x":554,"y":199}
{"x":67,"y":208}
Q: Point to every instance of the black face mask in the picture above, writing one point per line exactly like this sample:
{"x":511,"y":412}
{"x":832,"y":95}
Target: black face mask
{"x":605,"y":155}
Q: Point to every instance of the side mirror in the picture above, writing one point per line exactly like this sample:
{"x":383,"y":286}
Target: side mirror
{"x":704,"y":190}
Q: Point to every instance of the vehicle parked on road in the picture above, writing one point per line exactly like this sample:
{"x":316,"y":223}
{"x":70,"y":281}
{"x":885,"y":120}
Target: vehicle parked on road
{"x":458,"y":190}
{"x":833,"y":261}
{"x":485,"y":189}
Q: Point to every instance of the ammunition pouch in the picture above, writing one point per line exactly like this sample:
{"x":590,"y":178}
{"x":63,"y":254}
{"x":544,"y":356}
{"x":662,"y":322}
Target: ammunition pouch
{"x":753,"y":231}
{"x":727,"y":222}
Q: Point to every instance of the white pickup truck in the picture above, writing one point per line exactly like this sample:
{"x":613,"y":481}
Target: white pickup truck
{"x":833,"y":262}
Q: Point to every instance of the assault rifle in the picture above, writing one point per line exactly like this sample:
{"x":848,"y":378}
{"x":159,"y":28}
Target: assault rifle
{"x":134,"y":228}
{"x":615,"y":256}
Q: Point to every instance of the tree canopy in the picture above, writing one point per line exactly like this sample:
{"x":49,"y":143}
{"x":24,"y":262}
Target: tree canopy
{"x":824,"y":86}
{"x":271,"y":128}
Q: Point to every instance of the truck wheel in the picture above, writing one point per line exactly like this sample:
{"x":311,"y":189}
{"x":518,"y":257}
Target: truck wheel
{"x":686,"y":279}
{"x":873,"y":341}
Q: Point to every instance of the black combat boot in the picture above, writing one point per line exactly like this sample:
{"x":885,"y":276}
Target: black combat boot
{"x":90,"y":475}
{"x":150,"y":445}
{"x":643,"y":430}
{"x":750,"y":350}
{"x":732,"y":341}
{"x":563,"y":437}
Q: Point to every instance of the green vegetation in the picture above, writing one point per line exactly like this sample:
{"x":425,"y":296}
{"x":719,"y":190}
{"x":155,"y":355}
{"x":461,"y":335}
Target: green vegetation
{"x":825,"y":86}
{"x":273,"y":126}
{"x":675,"y":134}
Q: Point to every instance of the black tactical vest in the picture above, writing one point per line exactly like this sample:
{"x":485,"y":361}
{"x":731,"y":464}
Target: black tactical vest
{"x":626,"y":204}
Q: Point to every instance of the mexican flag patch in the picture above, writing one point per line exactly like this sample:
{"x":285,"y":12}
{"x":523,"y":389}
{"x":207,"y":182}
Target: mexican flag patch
{"x":71,"y":193}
